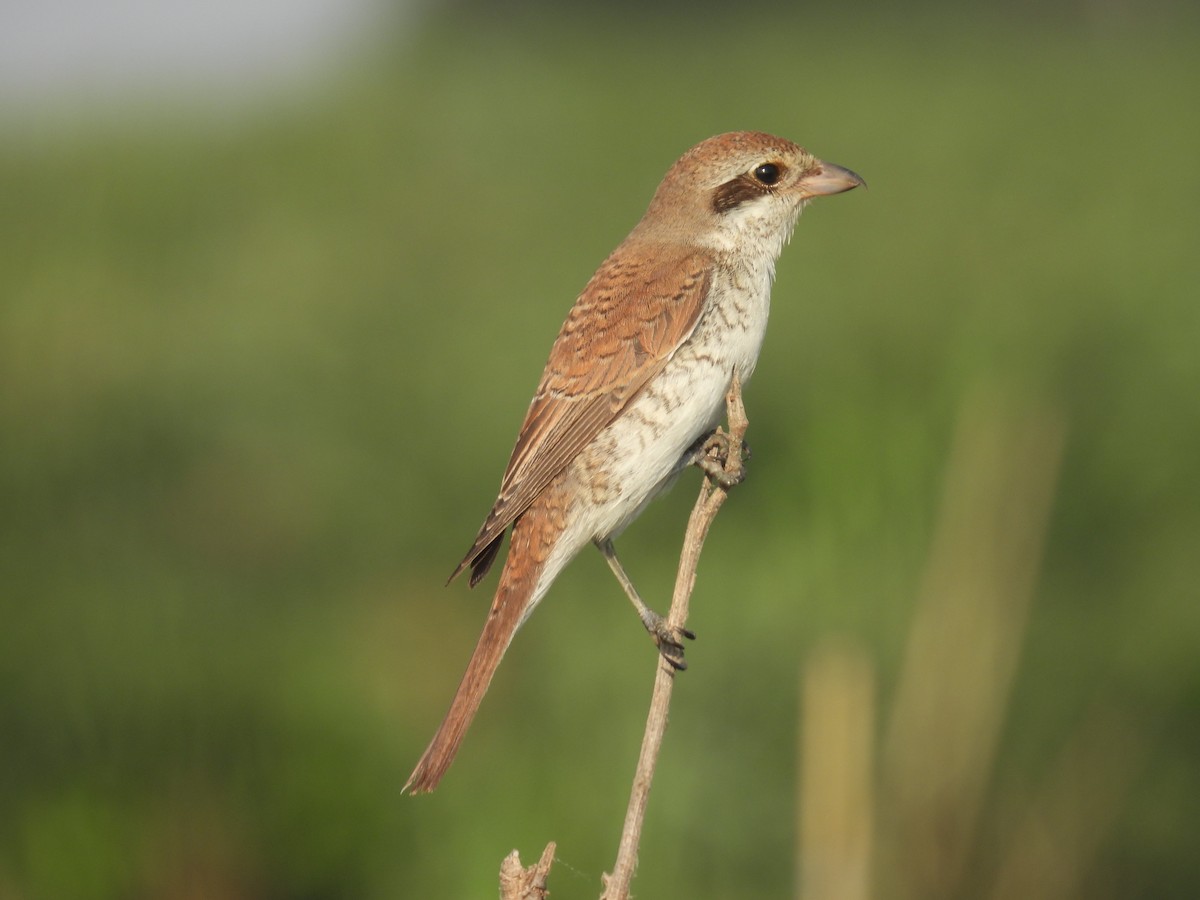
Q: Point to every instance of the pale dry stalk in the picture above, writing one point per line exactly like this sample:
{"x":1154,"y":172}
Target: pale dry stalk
{"x":712,"y":496}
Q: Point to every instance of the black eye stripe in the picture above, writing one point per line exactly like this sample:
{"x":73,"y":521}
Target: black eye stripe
{"x":745,"y":187}
{"x":736,"y":192}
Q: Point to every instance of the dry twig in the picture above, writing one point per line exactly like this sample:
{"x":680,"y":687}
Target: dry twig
{"x":713,"y":492}
{"x":519,"y":883}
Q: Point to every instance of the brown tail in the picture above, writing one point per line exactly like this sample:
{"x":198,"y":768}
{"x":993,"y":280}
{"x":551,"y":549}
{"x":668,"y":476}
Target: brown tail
{"x":533,"y":536}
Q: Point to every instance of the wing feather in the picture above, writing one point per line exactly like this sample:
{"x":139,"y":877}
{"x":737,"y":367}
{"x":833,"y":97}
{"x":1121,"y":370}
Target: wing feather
{"x":628,"y":322}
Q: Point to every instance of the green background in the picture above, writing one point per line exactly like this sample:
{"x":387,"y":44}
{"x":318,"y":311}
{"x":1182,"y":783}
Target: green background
{"x":259,"y":377}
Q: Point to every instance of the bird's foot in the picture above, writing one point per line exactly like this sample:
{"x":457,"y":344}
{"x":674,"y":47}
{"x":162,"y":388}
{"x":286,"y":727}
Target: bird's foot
{"x":669,"y":639}
{"x":712,"y":457}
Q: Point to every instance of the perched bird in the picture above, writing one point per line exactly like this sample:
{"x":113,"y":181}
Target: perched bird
{"x":636,"y":380}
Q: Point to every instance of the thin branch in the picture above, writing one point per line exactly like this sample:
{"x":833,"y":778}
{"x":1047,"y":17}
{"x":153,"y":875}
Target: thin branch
{"x":713,"y":492}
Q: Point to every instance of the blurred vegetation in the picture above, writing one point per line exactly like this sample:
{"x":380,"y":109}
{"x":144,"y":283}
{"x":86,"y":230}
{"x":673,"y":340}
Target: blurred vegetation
{"x":259,"y":379}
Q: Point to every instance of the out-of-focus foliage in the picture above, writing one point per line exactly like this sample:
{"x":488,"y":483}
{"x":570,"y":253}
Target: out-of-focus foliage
{"x":258,"y":384}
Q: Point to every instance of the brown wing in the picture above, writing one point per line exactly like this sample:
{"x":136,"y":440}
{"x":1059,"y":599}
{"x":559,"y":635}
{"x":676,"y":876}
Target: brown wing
{"x":627,"y":323}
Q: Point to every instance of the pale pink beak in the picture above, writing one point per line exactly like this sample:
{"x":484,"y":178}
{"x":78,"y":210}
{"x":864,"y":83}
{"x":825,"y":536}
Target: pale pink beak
{"x":830,"y":179}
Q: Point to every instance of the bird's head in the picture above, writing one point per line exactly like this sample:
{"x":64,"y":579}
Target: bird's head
{"x":741,"y":188}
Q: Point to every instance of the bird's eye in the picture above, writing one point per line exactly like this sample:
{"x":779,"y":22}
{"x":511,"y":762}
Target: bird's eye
{"x":767,"y":173}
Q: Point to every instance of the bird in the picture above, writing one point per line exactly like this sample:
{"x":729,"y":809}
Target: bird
{"x":635,"y":382}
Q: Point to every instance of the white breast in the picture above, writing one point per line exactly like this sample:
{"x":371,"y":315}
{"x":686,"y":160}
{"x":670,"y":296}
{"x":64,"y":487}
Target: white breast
{"x":640,"y":454}
{"x":644,"y":447}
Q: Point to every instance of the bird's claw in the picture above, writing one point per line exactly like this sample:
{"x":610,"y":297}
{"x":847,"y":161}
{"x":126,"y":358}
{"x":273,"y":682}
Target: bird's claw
{"x":712,"y":458}
{"x":669,"y":640}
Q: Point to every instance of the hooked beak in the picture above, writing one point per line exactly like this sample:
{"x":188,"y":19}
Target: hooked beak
{"x":829,"y":179}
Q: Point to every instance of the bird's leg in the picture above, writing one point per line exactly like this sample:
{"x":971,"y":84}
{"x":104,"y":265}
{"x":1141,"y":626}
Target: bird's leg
{"x":668,"y":638}
{"x":711,"y":456}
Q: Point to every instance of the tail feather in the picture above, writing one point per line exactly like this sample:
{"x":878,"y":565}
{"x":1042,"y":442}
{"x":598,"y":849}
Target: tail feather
{"x":498,"y":632}
{"x":534,"y":535}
